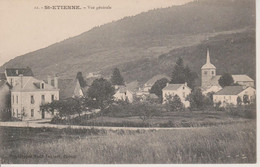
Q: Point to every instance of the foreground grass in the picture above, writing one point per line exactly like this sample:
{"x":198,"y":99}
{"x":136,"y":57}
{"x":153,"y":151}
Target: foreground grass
{"x":223,"y":144}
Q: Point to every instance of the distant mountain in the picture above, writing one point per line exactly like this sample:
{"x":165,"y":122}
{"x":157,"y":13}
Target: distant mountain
{"x":177,"y":30}
{"x":233,"y":53}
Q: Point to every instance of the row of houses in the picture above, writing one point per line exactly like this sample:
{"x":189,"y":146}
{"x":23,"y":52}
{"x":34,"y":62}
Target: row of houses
{"x":20,"y":89}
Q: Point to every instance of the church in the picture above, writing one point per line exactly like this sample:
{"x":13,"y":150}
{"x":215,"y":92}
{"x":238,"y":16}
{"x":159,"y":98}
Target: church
{"x":209,"y":79}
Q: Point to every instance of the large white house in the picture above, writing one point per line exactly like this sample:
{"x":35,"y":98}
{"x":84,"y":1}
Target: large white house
{"x":182,"y":90}
{"x":29,"y":93}
{"x":230,"y":94}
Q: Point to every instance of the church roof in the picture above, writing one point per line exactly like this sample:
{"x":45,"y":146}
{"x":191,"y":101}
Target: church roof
{"x":208,"y":65}
{"x":230,"y":90}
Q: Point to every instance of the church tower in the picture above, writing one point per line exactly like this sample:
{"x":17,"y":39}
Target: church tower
{"x":208,"y":71}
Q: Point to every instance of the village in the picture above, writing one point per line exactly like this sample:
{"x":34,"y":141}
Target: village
{"x":24,"y":97}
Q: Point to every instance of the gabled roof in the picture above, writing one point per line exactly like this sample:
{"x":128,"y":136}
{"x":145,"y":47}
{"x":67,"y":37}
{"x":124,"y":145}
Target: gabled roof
{"x":238,"y":78}
{"x":67,"y":88}
{"x":17,"y":71}
{"x":2,"y":76}
{"x":155,"y":78}
{"x":174,"y":86}
{"x":231,"y":90}
{"x":32,"y":84}
{"x":133,"y":86}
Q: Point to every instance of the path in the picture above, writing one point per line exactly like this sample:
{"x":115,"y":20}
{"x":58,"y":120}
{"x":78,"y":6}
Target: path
{"x":40,"y":124}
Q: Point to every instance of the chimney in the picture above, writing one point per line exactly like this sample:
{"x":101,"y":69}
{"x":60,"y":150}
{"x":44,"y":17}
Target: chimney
{"x":56,"y":81}
{"x":21,"y":80}
{"x":49,"y":80}
{"x":185,"y":83}
{"x":167,"y":84}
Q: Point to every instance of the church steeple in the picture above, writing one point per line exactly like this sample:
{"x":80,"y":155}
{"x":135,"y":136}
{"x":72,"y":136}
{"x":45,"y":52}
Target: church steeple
{"x":208,"y":64}
{"x":208,"y":58}
{"x":208,"y":71}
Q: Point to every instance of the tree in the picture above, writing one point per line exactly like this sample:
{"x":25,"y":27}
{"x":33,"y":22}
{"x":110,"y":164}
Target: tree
{"x":239,"y":101}
{"x":183,"y":74}
{"x":226,"y":80}
{"x":116,"y":78}
{"x":81,"y":80}
{"x":101,"y":93}
{"x":158,"y":86}
{"x":65,"y":108}
{"x":146,"y":110}
{"x":196,"y":99}
{"x":174,"y":103}
{"x":246,"y":99}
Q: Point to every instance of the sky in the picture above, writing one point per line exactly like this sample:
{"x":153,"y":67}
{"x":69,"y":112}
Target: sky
{"x":25,"y":29}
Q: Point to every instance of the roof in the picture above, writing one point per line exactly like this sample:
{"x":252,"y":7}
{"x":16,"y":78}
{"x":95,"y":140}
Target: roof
{"x":231,"y":90}
{"x":238,"y":78}
{"x":67,"y":88}
{"x":208,"y":65}
{"x":32,"y":84}
{"x":133,"y":86}
{"x":17,"y":71}
{"x":173,"y":86}
{"x":156,"y":78}
{"x":153,"y":96}
{"x":2,"y":76}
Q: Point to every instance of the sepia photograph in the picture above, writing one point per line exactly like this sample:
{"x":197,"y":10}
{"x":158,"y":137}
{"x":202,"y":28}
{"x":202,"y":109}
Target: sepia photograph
{"x":128,"y":82}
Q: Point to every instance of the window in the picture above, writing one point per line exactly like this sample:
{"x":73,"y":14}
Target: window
{"x":43,"y":98}
{"x":32,"y":99}
{"x":212,"y":72}
{"x":52,"y":97}
{"x":32,"y":112}
{"x":11,"y":82}
{"x":183,"y":87}
{"x":13,"y":113}
{"x":205,"y":72}
{"x":17,"y":112}
{"x":42,"y":85}
{"x":16,"y":99}
{"x":13,"y":99}
{"x":183,"y":94}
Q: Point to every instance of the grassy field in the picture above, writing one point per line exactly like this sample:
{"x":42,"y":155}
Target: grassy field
{"x":234,"y":143}
{"x":168,"y":119}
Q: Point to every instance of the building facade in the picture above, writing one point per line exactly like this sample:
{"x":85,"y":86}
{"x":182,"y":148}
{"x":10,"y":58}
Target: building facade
{"x":29,"y":94}
{"x":182,"y":90}
{"x":229,"y":95}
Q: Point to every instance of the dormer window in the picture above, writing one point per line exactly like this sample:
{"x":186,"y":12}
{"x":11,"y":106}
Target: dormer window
{"x":42,"y":85}
{"x":212,"y":72}
{"x":183,"y":87}
{"x":205,"y":72}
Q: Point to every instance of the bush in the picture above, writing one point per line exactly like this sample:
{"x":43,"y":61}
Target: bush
{"x":174,"y":103}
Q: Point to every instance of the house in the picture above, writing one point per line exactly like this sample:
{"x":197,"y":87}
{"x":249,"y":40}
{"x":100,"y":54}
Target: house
{"x":123,"y":93}
{"x":29,"y":93}
{"x":148,"y":85}
{"x":4,"y":95}
{"x":182,"y":90}
{"x":209,"y":79}
{"x":230,"y":94}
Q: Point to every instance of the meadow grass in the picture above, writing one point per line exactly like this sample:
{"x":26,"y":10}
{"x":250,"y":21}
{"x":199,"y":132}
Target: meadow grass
{"x":234,"y":143}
